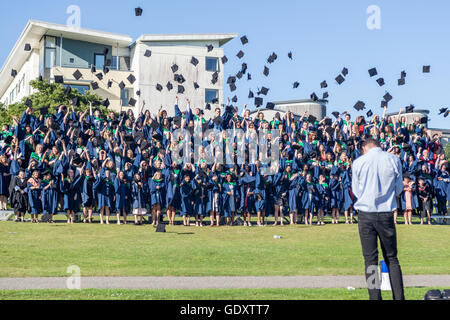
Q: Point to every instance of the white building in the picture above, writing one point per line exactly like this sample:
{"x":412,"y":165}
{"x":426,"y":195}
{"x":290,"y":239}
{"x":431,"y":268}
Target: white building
{"x":59,"y":50}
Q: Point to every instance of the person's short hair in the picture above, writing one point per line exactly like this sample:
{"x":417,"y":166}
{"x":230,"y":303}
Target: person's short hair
{"x":370,"y":142}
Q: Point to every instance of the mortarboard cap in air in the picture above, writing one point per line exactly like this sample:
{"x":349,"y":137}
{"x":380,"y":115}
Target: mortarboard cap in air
{"x":138,"y":11}
{"x":29,"y":103}
{"x":266,"y":71}
{"x":105,"y":69}
{"x":250,"y":94}
{"x":138,"y":93}
{"x":159,"y":87}
{"x":387,"y":97}
{"x":373,"y":72}
{"x":239,"y":75}
{"x":174,"y":68}
{"x":13,"y":73}
{"x":132,"y":102}
{"x":336,"y":114}
{"x":442,"y":110}
{"x":210,"y":47}
{"x":403,"y":74}
{"x":380,"y":82}
{"x":240,"y":54}
{"x":59,"y":79}
{"x":323,"y":84}
{"x":426,"y":69}
{"x":106,"y":103}
{"x":110,"y":83}
{"x":409,"y":109}
{"x":131,"y":79}
{"x":27,"y":47}
{"x":215,"y":101}
{"x":314,"y":97}
{"x":94,"y":85}
{"x":340,"y":79}
{"x":290,"y":55}
{"x":270,"y":105}
{"x":180,"y":90}
{"x":384,"y":104}
{"x":224,"y":59}
{"x":231,"y":79}
{"x":235,"y":99}
{"x":369,"y":113}
{"x":148,"y":53}
{"x":325,"y":95}
{"x":99,"y":76}
{"x":68,"y":90}
{"x":232,"y":87}
{"x":344,"y":72}
{"x":296,"y":84}
{"x":424,"y":120}
{"x":93,"y":69}
{"x":122,"y":85}
{"x":77,"y":75}
{"x":196,"y":86}
{"x":244,"y":40}
{"x":169,"y":86}
{"x":194,"y":61}
{"x":401,"y":81}
{"x":264,"y":91}
{"x":359,"y":106}
{"x":249,"y":76}
{"x":258,"y":101}
{"x":208,"y":106}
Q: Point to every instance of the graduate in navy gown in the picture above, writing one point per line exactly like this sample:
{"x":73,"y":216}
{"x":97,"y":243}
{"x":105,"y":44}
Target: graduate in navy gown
{"x":186,"y":191}
{"x":335,"y":196}
{"x":34,"y":191}
{"x":122,"y":187}
{"x":139,"y":194}
{"x":214,"y":203}
{"x":158,"y":196}
{"x":106,"y":195}
{"x":49,"y":196}
{"x":88,"y":194}
{"x":172,"y":179}
{"x":324,"y":199}
{"x":230,"y":199}
{"x":260,"y":196}
{"x":69,"y":187}
{"x":293,"y":186}
{"x":200,"y":194}
{"x":280,"y":190}
{"x":309,"y":198}
{"x":248,"y":181}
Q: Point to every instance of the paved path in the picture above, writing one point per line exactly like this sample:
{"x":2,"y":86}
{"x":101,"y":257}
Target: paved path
{"x":214,"y":282}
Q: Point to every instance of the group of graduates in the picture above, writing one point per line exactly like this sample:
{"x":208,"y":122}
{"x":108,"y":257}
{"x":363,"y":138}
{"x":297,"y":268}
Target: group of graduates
{"x":125,"y":164}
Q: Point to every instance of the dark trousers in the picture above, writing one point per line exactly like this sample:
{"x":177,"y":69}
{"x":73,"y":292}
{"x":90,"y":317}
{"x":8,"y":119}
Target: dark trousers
{"x":373,"y":225}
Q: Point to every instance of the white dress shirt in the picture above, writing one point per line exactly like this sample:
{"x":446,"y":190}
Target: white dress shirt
{"x":376,"y":181}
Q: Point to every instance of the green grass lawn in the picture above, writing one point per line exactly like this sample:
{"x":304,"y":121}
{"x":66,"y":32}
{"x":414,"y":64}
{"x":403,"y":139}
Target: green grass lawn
{"x":229,"y":294}
{"x":30,"y":250}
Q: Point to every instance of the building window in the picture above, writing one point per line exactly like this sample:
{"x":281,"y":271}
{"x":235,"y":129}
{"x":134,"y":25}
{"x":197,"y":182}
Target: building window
{"x":124,"y":97}
{"x":23,"y":81}
{"x":212,"y":64}
{"x":50,"y":52}
{"x":71,"y":60}
{"x":81,"y":89}
{"x":210,"y":95}
{"x":11,"y":96}
{"x":18,"y":87}
{"x":99,"y":60}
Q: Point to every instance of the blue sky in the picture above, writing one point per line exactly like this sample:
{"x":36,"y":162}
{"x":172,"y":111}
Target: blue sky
{"x":324,"y":36}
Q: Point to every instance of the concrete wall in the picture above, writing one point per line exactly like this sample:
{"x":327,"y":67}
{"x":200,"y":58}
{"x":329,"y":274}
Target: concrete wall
{"x":30,"y":70}
{"x":157,"y":69}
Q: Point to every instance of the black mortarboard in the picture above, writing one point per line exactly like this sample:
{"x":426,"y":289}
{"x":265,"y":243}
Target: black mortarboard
{"x":108,"y":63}
{"x":240,"y":54}
{"x":264,"y":91}
{"x":132,"y":102}
{"x":314,"y":97}
{"x":244,"y":68}
{"x":194,"y":61}
{"x":147,"y":53}
{"x":174,"y":68}
{"x":296,"y":84}
{"x":401,"y":82}
{"x":403,"y":74}
{"x":424,"y":120}
{"x":179,"y":78}
{"x":380,"y":82}
{"x":76,"y":101}
{"x":106,"y":103}
{"x":244,"y":40}
{"x":290,"y":55}
{"x":232,"y":87}
{"x":270,"y":105}
{"x":249,"y":76}
{"x":41,"y":78}
{"x":442,"y":110}
{"x":13,"y":73}
{"x":272,"y":58}
{"x":93,"y":69}
{"x":446,"y":114}
{"x":409,"y":109}
{"x":250,"y":94}
{"x":105,"y":69}
{"x":373,"y":72}
{"x":157,"y":136}
{"x":224,"y":59}
{"x":369,"y":113}
{"x":110,"y":83}
{"x":77,"y":75}
{"x":131,"y":79}
{"x":384,"y":103}
{"x":138,"y":93}
{"x":94,"y":85}
{"x":59,"y":79}
{"x":328,"y":122}
{"x":231,"y":79}
{"x":336,"y":114}
{"x":325,"y":95}
{"x":340,"y":79}
{"x":426,"y":69}
{"x":266,"y":71}
{"x":234,"y":99}
{"x":208,"y":106}
{"x":311,"y":118}
{"x":68,"y":90}
{"x":387,"y":97}
{"x":122,"y":85}
{"x":180,"y":90}
{"x":210,"y":47}
{"x":27,"y":47}
{"x":8,"y":140}
{"x":239,"y":75}
{"x":229,"y":109}
{"x":196,"y":86}
{"x":169,"y":86}
{"x":99,"y":76}
{"x":159,"y":87}
{"x":359,"y":106}
{"x":29,"y":103}
{"x":323,"y":84}
{"x":138,"y":11}
{"x":259,"y":101}
{"x":344,"y":72}
{"x":215,"y":101}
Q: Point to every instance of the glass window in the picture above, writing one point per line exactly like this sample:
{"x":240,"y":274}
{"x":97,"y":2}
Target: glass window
{"x":23,"y":81}
{"x":50,"y":57}
{"x":99,"y":60}
{"x":210,"y":95}
{"x":115,"y":63}
{"x":50,"y":42}
{"x":81,"y":89}
{"x":212,"y":64}
{"x":124,"y":97}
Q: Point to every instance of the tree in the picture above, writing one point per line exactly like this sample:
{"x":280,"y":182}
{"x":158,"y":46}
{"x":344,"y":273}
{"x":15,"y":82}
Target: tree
{"x":51,"y":95}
